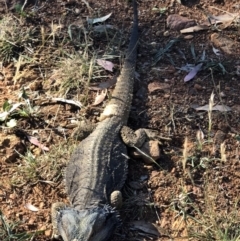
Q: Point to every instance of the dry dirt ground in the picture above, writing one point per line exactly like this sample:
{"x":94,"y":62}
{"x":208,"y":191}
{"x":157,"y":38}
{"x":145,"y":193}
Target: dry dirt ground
{"x":48,"y":51}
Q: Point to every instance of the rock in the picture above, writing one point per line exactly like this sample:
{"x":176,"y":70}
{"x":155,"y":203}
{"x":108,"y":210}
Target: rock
{"x":177,"y":22}
{"x":151,"y":148}
{"x":187,"y":37}
{"x":166,"y":34}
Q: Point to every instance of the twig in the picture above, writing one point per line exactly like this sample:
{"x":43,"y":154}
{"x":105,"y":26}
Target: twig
{"x":23,"y":6}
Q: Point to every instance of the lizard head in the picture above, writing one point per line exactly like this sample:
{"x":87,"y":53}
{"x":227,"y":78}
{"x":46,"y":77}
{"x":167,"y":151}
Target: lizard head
{"x":96,"y":224}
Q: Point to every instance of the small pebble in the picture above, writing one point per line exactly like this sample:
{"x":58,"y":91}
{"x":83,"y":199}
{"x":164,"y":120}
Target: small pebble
{"x":188,"y":36}
{"x":166,"y":34}
{"x":48,"y":232}
{"x":222,"y":94}
{"x":198,"y":87}
{"x":153,"y":43}
{"x":77,"y":10}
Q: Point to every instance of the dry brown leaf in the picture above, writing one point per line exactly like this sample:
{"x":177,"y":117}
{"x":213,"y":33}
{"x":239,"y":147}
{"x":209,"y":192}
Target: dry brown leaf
{"x":71,"y":102}
{"x":221,"y":108}
{"x":104,"y":85}
{"x":107,"y":65}
{"x":35,"y":142}
{"x":225,"y":19}
{"x":194,"y":29}
{"x":100,"y":97}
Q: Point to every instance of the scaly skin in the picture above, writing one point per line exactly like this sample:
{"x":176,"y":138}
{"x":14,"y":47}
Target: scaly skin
{"x":98,"y":167}
{"x":121,"y":101}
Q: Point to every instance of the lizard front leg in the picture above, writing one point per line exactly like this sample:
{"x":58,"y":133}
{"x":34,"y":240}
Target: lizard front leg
{"x":116,"y":199}
{"x":136,"y":138}
{"x":144,"y":141}
{"x":54,"y":213}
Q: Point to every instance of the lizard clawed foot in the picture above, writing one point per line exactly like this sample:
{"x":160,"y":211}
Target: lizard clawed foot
{"x":133,"y":138}
{"x":144,"y":141}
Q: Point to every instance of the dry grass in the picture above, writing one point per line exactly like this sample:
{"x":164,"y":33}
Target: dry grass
{"x":47,"y":167}
{"x":213,"y":224}
{"x":14,"y":38}
{"x":207,"y":222}
{"x":8,"y":230}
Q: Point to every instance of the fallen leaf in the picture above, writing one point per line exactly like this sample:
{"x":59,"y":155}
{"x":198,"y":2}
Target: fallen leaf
{"x":35,"y":142}
{"x":194,"y":29}
{"x":4,"y":115}
{"x":106,"y":64}
{"x":225,"y":25}
{"x":100,"y":97}
{"x":98,"y":20}
{"x":72,"y":102}
{"x":216,"y":51}
{"x":30,"y":207}
{"x":193,"y":72}
{"x":221,"y":108}
{"x":187,"y":67}
{"x":225,"y":43}
{"x":48,"y":182}
{"x":104,"y":85}
{"x":225,"y":19}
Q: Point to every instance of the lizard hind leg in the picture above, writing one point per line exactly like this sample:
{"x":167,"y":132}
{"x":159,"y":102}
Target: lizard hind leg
{"x":116,"y":199}
{"x":54,"y":213}
{"x":144,"y":141}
